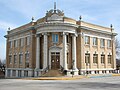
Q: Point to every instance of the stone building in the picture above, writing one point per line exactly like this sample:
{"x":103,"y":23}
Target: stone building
{"x":57,"y":42}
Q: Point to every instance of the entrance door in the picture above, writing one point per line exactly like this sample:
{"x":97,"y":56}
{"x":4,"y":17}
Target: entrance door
{"x":55,"y":60}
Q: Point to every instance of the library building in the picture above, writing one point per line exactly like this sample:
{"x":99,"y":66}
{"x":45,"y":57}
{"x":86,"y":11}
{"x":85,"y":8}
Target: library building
{"x":56,"y":44}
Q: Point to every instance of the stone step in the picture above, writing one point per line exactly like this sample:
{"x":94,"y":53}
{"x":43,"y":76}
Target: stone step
{"x":53,"y":73}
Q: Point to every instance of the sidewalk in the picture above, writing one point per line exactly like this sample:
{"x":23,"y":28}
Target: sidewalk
{"x":72,"y":78}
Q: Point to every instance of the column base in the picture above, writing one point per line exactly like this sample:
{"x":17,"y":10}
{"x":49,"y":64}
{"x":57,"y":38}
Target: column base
{"x":37,"y":72}
{"x":100,"y":72}
{"x":72,"y":72}
{"x":107,"y":72}
{"x":92,"y":72}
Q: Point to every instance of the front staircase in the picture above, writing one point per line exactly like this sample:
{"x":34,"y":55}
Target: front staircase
{"x":53,"y":73}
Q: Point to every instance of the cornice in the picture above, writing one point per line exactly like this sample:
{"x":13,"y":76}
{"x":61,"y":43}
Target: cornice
{"x":18,"y":31}
{"x":44,"y":24}
{"x":98,"y":30}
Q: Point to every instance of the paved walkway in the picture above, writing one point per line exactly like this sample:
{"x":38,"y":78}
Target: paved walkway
{"x":105,"y":83}
{"x":73,"y":77}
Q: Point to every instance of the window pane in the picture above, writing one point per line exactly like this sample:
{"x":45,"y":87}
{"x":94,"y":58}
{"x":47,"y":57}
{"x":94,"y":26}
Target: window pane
{"x":102,"y":58}
{"x":95,"y":58}
{"x":87,"y":40}
{"x":10,"y":44}
{"x":54,"y":38}
{"x":28,"y":40}
{"x":109,"y":43}
{"x":102,"y":42}
{"x":109,"y":59}
{"x":15,"y":59}
{"x":94,"y":41}
{"x":87,"y":58}
{"x":20,"y":58}
{"x":10,"y":59}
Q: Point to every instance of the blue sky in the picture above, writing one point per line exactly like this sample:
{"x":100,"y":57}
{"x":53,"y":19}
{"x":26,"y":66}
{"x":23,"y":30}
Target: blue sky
{"x":14,"y":13}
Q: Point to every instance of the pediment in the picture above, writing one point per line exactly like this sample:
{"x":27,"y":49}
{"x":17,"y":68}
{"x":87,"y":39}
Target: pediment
{"x":55,"y":17}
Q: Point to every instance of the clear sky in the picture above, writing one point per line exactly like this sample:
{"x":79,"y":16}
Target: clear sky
{"x":14,"y":13}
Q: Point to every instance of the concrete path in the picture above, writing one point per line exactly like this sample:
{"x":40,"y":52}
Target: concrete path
{"x":105,"y":83}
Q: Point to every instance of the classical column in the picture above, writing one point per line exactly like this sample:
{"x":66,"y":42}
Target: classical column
{"x":64,"y":51}
{"x":38,"y":53}
{"x":6,"y":72}
{"x":45,"y":47}
{"x":74,"y":52}
{"x":11,"y":73}
{"x":16,"y":73}
{"x":113,"y":53}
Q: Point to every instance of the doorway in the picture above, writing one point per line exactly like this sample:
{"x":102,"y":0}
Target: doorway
{"x":55,"y":60}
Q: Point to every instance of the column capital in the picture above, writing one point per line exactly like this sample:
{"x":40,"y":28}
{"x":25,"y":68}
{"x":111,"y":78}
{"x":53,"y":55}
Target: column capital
{"x":65,"y":33}
{"x":74,"y":35}
{"x":38,"y":35}
{"x":45,"y":33}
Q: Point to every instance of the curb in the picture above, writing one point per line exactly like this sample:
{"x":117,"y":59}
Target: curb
{"x":71,"y":78}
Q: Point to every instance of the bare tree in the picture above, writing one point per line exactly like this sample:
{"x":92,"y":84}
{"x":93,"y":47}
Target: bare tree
{"x":0,"y":62}
{"x":117,"y":47}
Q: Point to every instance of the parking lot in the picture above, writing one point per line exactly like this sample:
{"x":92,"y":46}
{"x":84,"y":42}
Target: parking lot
{"x":103,"y":83}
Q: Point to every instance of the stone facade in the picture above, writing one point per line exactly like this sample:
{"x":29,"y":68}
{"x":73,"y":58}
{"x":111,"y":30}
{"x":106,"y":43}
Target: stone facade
{"x":59,"y":42}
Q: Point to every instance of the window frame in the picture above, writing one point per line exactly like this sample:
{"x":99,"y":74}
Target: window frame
{"x":102,"y":58}
{"x":20,"y":58}
{"x":10,"y":43}
{"x":102,"y":42}
{"x":28,"y":40}
{"x":87,"y":40}
{"x":95,"y":58}
{"x":15,"y":59}
{"x":95,"y":41}
{"x":109,"y":59}
{"x":10,"y":59}
{"x":87,"y":58}
{"x":109,"y":44}
{"x":55,"y":38}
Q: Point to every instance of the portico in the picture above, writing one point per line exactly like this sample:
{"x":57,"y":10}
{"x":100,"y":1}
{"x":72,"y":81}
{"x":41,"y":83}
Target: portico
{"x":55,"y":54}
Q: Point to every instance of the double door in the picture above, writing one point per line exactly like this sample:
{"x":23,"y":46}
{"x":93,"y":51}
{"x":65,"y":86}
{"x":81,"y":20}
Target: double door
{"x":55,"y":60}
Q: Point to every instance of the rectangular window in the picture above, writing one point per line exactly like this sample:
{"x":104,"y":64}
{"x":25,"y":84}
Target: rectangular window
{"x":87,"y":58}
{"x":15,"y":59}
{"x":20,"y":58}
{"x":87,"y":40}
{"x":109,"y":43}
{"x":95,"y":41}
{"x":102,"y":58}
{"x":95,"y":58}
{"x":10,"y":44}
{"x":109,"y":59}
{"x":55,"y":38}
{"x":27,"y":60}
{"x":21,"y":42}
{"x":15,"y":43}
{"x":10,"y":59}
{"x":27,"y":40}
{"x":102,"y":42}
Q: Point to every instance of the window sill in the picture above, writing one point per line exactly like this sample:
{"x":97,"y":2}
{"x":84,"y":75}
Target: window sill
{"x":95,"y":46}
{"x":109,"y":47}
{"x":102,"y":46}
{"x":87,"y":44}
{"x":95,"y":64}
{"x":109,"y":64}
{"x":102,"y":64}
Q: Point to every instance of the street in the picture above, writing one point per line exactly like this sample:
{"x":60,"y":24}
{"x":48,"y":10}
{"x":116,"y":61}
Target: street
{"x":104,"y":83}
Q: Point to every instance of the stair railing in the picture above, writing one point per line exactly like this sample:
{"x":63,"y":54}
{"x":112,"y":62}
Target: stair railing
{"x":45,"y":70}
{"x":61,"y":69}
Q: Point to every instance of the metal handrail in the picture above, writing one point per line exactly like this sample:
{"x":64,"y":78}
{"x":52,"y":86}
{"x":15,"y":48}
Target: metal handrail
{"x":61,"y":68}
{"x":45,"y":70}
